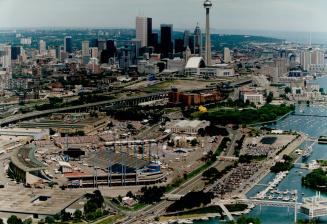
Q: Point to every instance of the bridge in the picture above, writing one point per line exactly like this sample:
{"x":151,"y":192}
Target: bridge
{"x":308,"y":115}
{"x":269,"y":203}
{"x":172,"y":197}
{"x":227,"y":158}
{"x":225,"y":210}
{"x":127,"y":102}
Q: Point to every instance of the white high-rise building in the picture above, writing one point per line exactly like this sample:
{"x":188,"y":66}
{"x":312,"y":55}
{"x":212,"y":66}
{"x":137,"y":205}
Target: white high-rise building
{"x":5,"y":55}
{"x":305,"y":59}
{"x":142,"y":30}
{"x":94,"y":52}
{"x":85,"y":48}
{"x":42,"y":47}
{"x":317,"y":57}
{"x":227,"y":55}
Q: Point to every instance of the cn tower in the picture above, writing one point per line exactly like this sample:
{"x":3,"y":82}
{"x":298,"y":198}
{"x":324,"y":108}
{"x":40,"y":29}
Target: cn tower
{"x":207,"y":5}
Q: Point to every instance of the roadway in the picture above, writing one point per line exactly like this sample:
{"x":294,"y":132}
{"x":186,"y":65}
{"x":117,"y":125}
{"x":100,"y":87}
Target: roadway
{"x":19,"y":117}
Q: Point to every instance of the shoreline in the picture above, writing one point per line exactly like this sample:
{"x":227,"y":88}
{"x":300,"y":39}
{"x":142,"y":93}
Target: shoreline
{"x":289,"y":150}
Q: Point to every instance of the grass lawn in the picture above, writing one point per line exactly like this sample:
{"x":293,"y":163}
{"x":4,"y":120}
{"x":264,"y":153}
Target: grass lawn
{"x":135,"y":207}
{"x":110,"y":219}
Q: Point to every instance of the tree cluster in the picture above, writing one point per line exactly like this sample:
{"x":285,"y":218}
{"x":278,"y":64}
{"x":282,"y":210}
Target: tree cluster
{"x":246,"y":116}
{"x":317,"y":180}
{"x":285,"y":165}
{"x":151,"y":194}
{"x":191,"y":200}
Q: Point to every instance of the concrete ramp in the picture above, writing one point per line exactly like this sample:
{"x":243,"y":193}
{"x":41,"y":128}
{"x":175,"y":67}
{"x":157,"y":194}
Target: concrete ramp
{"x":226,"y":212}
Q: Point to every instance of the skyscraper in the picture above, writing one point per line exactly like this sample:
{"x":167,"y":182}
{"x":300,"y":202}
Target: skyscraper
{"x":154,"y":41}
{"x":149,"y":31}
{"x":143,"y":30}
{"x":166,"y":36}
{"x":305,"y":59}
{"x":68,"y":44}
{"x":15,"y":52}
{"x":186,"y":38}
{"x":197,"y":40}
{"x":317,"y":57}
{"x":5,"y":55}
{"x":227,"y":55}
{"x":179,"y":46}
{"x":94,"y":52}
{"x":94,"y":43}
{"x":207,"y":5}
{"x":85,"y":48}
{"x":42,"y":47}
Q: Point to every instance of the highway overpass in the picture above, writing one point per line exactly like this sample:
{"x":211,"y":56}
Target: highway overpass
{"x":126,"y":102}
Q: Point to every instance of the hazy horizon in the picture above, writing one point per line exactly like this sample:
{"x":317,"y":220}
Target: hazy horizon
{"x":276,"y":15}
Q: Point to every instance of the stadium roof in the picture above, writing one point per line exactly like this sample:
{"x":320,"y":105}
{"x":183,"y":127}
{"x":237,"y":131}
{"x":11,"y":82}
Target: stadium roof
{"x":195,"y":62}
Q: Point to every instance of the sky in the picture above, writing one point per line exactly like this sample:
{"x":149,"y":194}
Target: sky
{"x":278,"y":15}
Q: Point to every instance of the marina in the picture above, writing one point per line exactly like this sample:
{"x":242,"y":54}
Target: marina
{"x":313,"y":126}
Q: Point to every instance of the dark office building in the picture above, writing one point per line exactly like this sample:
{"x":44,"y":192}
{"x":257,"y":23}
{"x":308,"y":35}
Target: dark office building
{"x":111,"y":48}
{"x":127,"y":55}
{"x":68,"y":44}
{"x":102,"y":45}
{"x":154,"y":41}
{"x":149,"y":31}
{"x":109,"y":52}
{"x":192,"y":44}
{"x":94,"y":43}
{"x":179,"y":46}
{"x":166,"y":44}
{"x":15,"y":52}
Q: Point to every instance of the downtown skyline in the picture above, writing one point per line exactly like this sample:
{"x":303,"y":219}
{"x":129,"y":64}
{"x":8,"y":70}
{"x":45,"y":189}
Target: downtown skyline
{"x":243,"y":15}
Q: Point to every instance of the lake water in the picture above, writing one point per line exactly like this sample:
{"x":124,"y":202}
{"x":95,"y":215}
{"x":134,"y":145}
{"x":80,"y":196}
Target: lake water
{"x":313,"y":126}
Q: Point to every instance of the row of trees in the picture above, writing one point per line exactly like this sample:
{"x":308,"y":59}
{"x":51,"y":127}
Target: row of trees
{"x":285,"y":165}
{"x":191,"y":200}
{"x":213,"y":130}
{"x":246,"y":116}
{"x":250,"y":158}
{"x":238,"y":147}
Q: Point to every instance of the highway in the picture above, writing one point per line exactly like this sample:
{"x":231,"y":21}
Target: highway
{"x":19,"y":117}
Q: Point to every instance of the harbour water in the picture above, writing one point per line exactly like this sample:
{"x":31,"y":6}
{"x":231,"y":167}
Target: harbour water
{"x":313,"y":126}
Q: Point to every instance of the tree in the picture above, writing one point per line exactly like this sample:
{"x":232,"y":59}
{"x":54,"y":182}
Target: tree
{"x":90,"y":206}
{"x":14,"y":220}
{"x":269,"y":97}
{"x":211,"y":174}
{"x":26,"y":221}
{"x":52,"y":132}
{"x":288,"y":90}
{"x":49,"y":220}
{"x":130,"y":194}
{"x":65,"y":216}
{"x":194,"y":142}
{"x":78,"y":215}
{"x":202,"y":132}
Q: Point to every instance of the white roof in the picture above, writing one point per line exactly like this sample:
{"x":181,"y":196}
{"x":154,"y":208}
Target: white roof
{"x":64,"y":164}
{"x":194,"y":62}
{"x":190,"y":123}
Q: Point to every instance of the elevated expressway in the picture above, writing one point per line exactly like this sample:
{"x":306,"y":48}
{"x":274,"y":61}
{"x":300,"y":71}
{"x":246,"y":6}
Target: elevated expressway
{"x":132,"y":101}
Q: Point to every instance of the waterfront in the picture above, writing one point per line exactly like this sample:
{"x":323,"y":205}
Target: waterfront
{"x":313,"y":126}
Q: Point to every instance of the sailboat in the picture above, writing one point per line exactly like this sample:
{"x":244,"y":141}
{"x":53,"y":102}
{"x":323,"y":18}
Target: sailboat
{"x":307,"y":152}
